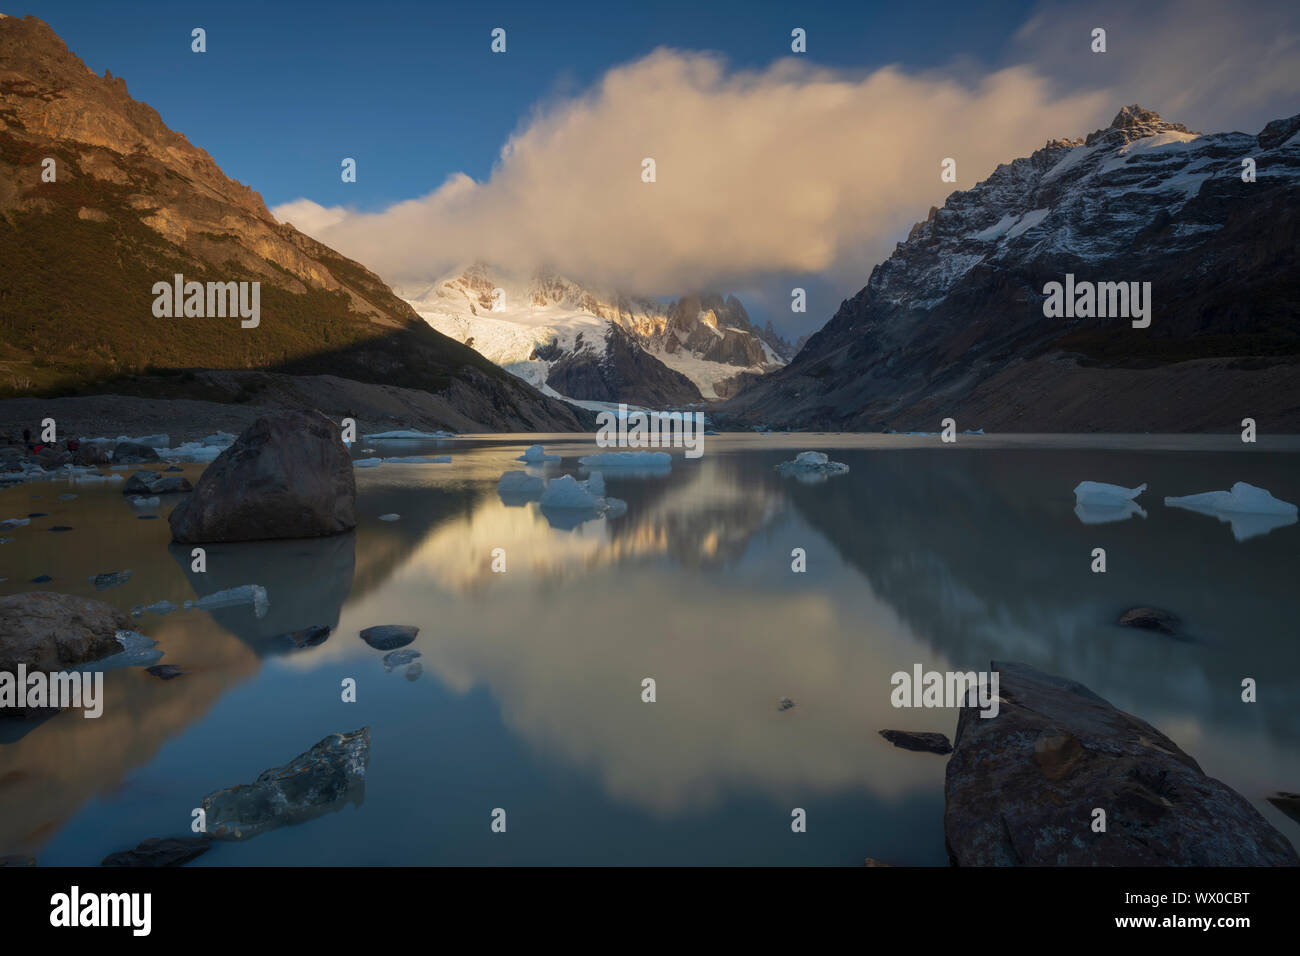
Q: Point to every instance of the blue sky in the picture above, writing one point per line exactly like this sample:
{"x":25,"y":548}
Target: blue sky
{"x":778,"y":171}
{"x":411,"y":90}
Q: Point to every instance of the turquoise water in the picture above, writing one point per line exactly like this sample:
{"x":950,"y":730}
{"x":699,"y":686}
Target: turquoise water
{"x":529,"y":698}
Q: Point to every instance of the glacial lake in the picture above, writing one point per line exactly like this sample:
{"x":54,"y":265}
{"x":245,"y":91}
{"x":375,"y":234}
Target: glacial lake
{"x":530,"y":696}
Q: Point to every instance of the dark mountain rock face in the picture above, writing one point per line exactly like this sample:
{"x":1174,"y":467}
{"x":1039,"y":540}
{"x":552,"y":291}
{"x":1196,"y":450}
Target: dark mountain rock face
{"x":133,"y":203}
{"x":953,"y":322}
{"x":624,"y":372}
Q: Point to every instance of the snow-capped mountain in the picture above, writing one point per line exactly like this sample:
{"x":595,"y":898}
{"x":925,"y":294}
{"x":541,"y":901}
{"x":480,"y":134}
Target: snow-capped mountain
{"x":953,"y":322}
{"x":587,"y":346}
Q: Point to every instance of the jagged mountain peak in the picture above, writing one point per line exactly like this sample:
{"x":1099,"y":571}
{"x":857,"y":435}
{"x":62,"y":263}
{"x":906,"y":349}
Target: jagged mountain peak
{"x":1134,"y":122}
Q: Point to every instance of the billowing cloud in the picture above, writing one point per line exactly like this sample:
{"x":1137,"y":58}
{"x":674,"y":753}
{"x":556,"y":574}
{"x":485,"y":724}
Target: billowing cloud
{"x":791,"y":169}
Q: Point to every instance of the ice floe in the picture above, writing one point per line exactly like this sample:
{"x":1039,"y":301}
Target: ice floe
{"x":1100,"y":493}
{"x":812,"y":466}
{"x":535,"y":455}
{"x":1249,"y":510}
{"x":253,"y":594}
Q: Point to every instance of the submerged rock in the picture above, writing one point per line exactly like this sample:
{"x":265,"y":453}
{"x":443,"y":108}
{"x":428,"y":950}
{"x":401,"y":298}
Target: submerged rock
{"x":924,"y":742}
{"x":161,"y":851}
{"x":288,"y":475}
{"x":395,"y":659}
{"x":307,"y":636}
{"x":1150,"y":619}
{"x":1022,"y":787}
{"x":165,"y":671}
{"x":319,"y":781}
{"x":111,"y":579}
{"x":389,"y":637}
{"x":152,"y":483}
{"x":132,"y":453}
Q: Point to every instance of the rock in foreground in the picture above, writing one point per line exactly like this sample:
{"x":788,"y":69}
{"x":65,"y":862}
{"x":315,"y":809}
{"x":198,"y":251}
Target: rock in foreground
{"x":287,"y":476}
{"x":160,"y":851}
{"x":1022,"y":787}
{"x":923,"y":742}
{"x":314,"y":783}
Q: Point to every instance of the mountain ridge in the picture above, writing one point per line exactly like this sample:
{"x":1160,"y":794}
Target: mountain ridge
{"x":952,"y":320}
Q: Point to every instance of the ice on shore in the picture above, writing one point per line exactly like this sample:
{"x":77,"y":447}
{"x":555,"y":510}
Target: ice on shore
{"x":407,"y":434}
{"x":253,"y":594}
{"x":1100,"y":493}
{"x":650,"y":460}
{"x":812,"y":466}
{"x":535,"y":455}
{"x":1249,"y":510}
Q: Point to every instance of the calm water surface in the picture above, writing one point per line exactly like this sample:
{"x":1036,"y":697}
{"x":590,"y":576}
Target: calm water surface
{"x":530,"y":696}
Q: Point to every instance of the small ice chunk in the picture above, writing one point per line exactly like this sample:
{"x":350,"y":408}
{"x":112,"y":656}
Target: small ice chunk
{"x":1105,"y":514}
{"x":596,"y":483}
{"x":367,"y":463}
{"x":521,"y":484}
{"x":1100,"y":493}
{"x":1249,"y":510}
{"x":567,"y":492}
{"x":137,"y":651}
{"x":536,"y":454}
{"x":253,"y":594}
{"x":141,"y":502}
{"x":419,"y":460}
{"x":389,"y":517}
{"x":1242,"y":499}
{"x":629,"y":459}
{"x":812,"y":465}
{"x":10,"y":523}
{"x":161,"y":607}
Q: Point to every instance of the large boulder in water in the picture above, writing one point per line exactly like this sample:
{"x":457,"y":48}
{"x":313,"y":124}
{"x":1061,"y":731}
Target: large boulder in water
{"x":1022,"y":787}
{"x":288,"y":475}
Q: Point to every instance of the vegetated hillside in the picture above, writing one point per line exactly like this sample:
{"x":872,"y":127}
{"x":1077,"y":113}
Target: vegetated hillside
{"x":134,"y":203}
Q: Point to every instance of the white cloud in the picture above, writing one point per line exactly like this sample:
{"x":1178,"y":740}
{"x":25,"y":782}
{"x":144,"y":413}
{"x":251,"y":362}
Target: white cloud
{"x":793,"y":168}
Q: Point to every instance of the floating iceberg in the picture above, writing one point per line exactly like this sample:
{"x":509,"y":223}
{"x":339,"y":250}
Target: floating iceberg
{"x":567,"y":492}
{"x":520,"y":485}
{"x":535,"y":455}
{"x":1251,"y":511}
{"x":1105,"y":514}
{"x":596,"y":483}
{"x":812,"y":466}
{"x":137,"y":651}
{"x":650,"y":460}
{"x":1100,"y":493}
{"x":253,"y":594}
